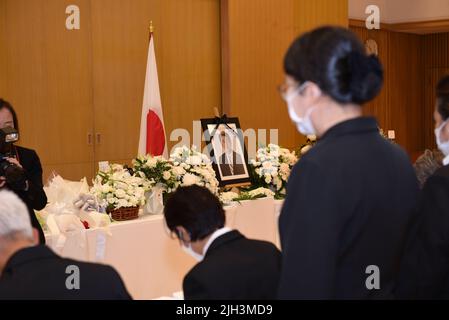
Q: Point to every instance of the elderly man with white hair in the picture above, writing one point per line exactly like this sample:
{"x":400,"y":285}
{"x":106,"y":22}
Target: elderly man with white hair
{"x":32,"y":271}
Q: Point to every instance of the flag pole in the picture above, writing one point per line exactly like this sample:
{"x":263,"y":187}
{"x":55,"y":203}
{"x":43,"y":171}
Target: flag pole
{"x":151,"y":29}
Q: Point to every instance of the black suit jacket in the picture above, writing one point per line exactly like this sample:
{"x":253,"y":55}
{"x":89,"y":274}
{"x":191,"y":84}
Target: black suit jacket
{"x":349,"y":202}
{"x":425,"y":268}
{"x":237,"y":165}
{"x":235,"y":268}
{"x":38,"y":273}
{"x":34,"y":197}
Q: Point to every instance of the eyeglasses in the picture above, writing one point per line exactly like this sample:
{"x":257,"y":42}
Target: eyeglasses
{"x":284,"y":88}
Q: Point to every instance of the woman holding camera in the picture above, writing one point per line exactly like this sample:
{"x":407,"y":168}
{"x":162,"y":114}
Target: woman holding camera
{"x":31,"y":191}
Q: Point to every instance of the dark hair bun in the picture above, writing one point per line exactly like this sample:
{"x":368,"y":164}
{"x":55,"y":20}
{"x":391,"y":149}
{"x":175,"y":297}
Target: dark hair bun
{"x":335,"y":59}
{"x":366,"y":77}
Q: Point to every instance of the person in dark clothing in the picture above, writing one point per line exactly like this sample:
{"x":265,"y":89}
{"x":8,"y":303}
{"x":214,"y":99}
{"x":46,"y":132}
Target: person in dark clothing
{"x":350,"y":198}
{"x":33,"y":193}
{"x":30,"y":272}
{"x":230,"y":266}
{"x":425,"y":267}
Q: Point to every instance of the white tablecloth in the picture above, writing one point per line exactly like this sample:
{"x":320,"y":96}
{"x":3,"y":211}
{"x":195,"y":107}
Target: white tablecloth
{"x":150,"y":262}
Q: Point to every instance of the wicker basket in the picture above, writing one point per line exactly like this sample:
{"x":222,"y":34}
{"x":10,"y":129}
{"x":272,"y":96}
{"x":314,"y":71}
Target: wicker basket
{"x":123,"y":214}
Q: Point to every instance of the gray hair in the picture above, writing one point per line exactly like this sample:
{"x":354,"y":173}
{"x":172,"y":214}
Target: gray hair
{"x":14,"y":217}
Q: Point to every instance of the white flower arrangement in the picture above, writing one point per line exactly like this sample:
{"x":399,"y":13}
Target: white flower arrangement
{"x":117,"y":188}
{"x":272,"y":167}
{"x":192,"y":167}
{"x":261,"y":192}
{"x":157,"y":171}
{"x":228,"y":197}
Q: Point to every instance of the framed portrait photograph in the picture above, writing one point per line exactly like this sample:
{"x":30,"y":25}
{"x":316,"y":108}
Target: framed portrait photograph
{"x":225,"y":143}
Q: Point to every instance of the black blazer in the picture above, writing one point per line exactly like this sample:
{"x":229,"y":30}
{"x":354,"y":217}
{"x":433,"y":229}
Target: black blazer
{"x":38,"y":273}
{"x":237,"y":165}
{"x":235,"y":268}
{"x":348,"y":205}
{"x":35,"y":197}
{"x":425,"y":268}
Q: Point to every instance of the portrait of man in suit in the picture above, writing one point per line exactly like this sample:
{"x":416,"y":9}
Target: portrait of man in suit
{"x":230,"y":158}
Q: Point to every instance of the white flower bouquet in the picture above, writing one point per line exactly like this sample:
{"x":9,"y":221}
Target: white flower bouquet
{"x":157,"y":171}
{"x":116,"y":187}
{"x":271,"y":168}
{"x":228,"y":197}
{"x":192,"y":167}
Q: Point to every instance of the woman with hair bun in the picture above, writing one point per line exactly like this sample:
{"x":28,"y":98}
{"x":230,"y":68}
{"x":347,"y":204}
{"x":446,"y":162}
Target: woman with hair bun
{"x":350,"y":198}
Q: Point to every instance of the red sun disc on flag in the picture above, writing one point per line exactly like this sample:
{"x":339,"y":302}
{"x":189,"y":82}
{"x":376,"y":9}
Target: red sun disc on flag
{"x":155,"y":134}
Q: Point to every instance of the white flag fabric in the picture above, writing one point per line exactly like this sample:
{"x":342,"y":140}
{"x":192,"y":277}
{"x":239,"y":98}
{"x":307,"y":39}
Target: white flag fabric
{"x":152,"y":132}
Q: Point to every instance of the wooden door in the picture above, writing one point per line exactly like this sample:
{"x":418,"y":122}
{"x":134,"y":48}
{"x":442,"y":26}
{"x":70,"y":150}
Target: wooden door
{"x":46,"y":75}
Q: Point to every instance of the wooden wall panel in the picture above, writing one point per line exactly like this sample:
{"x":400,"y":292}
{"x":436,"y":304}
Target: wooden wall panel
{"x":406,"y":83}
{"x":66,"y":84}
{"x":2,"y":46}
{"x":435,"y":55}
{"x":310,"y":14}
{"x":399,"y":105}
{"x":48,"y":79}
{"x":187,"y":44}
{"x":258,"y":34}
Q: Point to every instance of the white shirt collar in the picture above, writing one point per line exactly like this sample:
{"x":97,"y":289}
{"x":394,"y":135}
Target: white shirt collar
{"x":214,"y":236}
{"x":446,"y":160}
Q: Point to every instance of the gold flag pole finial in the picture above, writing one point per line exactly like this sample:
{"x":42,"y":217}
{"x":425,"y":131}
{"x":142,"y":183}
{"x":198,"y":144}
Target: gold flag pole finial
{"x":151,"y":29}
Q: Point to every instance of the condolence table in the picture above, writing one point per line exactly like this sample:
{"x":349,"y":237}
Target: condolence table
{"x":152,"y":263}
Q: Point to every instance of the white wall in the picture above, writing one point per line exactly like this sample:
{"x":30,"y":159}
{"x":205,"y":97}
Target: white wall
{"x":397,"y":11}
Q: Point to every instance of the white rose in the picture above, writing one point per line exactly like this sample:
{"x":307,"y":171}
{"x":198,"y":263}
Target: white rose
{"x":151,"y":162}
{"x":166,"y":175}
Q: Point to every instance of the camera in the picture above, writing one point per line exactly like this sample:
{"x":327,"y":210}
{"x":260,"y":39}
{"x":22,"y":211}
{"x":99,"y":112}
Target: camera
{"x":14,"y":175}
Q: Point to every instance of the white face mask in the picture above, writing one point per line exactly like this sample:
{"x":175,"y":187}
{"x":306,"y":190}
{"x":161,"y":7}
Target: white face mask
{"x":303,"y":125}
{"x":188,"y":249}
{"x":443,"y":146}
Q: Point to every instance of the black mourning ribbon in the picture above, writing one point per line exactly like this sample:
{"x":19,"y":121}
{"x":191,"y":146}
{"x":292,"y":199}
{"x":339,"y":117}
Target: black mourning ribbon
{"x":222,"y":120}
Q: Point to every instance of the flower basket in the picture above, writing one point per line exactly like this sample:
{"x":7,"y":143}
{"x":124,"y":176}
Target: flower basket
{"x":124,"y":214}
